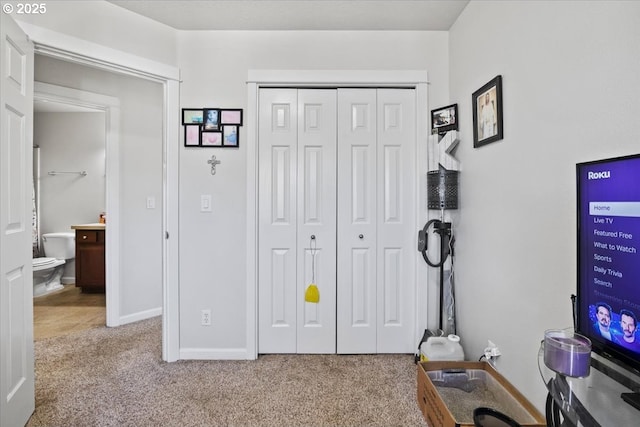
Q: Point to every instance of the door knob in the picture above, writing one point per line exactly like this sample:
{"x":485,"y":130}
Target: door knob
{"x":361,"y":236}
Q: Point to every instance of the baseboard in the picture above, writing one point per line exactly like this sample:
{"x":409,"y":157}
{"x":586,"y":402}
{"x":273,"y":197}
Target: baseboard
{"x":136,"y":317}
{"x":214,"y":354}
{"x":68,"y":280}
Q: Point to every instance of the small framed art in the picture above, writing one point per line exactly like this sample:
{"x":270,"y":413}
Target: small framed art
{"x":231,"y":117}
{"x":444,"y":119}
{"x":191,"y":135}
{"x":211,"y":138}
{"x":211,"y":119}
{"x":192,"y":116}
{"x":230,"y":136}
{"x":487,"y":113}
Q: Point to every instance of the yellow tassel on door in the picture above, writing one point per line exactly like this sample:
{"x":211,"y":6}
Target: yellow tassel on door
{"x":312,"y":294}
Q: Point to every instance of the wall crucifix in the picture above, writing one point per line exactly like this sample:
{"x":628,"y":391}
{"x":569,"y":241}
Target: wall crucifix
{"x":213,"y":162}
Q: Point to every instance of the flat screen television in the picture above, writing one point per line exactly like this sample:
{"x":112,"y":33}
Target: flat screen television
{"x":608,"y":292}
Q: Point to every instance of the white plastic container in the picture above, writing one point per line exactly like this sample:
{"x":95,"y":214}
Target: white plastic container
{"x":441,"y":348}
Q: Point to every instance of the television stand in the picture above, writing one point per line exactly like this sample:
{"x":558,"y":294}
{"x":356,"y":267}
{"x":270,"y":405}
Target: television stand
{"x":632,"y":399}
{"x":592,"y":401}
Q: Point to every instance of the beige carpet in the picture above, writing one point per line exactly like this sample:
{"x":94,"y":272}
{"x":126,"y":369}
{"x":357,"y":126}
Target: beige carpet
{"x":115,"y":377}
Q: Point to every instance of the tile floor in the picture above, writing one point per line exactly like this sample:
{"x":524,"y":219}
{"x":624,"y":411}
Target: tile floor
{"x":67,"y":310}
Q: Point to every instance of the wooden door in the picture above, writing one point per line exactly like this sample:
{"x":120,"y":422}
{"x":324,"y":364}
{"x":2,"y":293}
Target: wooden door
{"x":90,"y":260}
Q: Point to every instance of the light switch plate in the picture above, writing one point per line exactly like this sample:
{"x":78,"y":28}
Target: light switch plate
{"x":205,"y":203}
{"x":151,"y":202}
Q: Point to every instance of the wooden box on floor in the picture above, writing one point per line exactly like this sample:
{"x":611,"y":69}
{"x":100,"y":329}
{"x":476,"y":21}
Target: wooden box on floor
{"x":448,"y":392}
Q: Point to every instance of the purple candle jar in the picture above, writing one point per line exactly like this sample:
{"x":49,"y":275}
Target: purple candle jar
{"x":567,"y":352}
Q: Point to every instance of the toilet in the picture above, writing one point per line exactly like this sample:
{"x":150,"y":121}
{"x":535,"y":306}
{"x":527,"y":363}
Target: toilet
{"x":48,"y":270}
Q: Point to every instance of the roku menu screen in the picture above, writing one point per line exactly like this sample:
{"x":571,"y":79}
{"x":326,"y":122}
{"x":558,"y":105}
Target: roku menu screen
{"x":610,"y":241}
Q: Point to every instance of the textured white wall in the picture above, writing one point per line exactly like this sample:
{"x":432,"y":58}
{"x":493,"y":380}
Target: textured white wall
{"x":70,"y":142}
{"x":214,"y":68}
{"x":140,"y":139}
{"x":101,"y":22}
{"x":571,"y":94}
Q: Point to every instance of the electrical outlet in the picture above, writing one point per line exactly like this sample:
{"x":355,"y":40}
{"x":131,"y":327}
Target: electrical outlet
{"x":205,"y":317}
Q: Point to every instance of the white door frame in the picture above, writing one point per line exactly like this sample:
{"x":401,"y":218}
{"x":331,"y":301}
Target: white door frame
{"x":415,"y":79}
{"x":110,"y":106}
{"x":72,"y":49}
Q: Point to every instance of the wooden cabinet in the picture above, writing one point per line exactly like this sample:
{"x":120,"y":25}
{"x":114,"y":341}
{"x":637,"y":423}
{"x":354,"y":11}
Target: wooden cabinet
{"x":90,"y":267}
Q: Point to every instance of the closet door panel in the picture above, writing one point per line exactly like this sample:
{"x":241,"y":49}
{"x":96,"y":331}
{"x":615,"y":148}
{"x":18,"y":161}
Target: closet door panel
{"x":396,"y":207}
{"x":338,"y":165}
{"x":277,"y":202}
{"x":357,"y":216}
{"x":316,"y":323}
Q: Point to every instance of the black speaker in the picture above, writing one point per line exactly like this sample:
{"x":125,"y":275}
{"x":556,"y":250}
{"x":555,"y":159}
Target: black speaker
{"x":442,"y":189}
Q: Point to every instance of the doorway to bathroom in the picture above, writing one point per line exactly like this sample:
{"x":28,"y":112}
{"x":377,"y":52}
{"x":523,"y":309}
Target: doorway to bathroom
{"x":132,"y":171}
{"x":70,"y":180}
{"x":142,"y":185}
{"x":69,"y":176}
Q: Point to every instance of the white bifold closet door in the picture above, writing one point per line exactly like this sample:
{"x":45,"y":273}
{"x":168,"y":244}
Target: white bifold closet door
{"x":297,"y":200}
{"x":376,"y":231}
{"x":338,"y":165}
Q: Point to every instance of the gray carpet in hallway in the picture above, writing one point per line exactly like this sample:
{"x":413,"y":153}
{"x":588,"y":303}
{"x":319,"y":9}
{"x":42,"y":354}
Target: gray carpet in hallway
{"x":115,"y":377}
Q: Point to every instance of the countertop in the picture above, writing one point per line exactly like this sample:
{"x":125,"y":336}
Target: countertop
{"x":94,"y":226}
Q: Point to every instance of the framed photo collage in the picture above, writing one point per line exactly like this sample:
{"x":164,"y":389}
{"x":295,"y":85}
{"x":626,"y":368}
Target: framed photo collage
{"x":212,"y":127}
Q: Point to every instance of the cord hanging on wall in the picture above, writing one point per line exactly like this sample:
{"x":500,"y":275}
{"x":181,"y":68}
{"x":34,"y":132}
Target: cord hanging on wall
{"x":442,"y":193}
{"x":213,"y":162}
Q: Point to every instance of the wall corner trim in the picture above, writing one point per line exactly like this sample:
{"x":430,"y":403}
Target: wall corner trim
{"x":379,"y":78}
{"x":53,"y":43}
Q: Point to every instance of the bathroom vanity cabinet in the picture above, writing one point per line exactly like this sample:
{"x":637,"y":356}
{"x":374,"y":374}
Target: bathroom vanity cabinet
{"x":90,"y":257}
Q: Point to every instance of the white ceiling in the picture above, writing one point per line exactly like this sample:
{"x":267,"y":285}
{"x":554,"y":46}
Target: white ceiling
{"x":414,"y":15}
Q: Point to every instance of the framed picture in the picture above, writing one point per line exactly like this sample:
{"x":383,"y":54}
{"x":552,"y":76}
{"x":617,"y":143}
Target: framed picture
{"x":231,"y":117}
{"x":487,"y":113}
{"x":191,"y":135}
{"x":211,"y":119}
{"x":444,"y":119}
{"x":192,"y":116}
{"x":211,"y":138}
{"x":230,"y":136}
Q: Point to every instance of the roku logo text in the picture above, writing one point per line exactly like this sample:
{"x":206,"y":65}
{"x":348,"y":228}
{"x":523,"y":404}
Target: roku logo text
{"x":599,"y":175}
